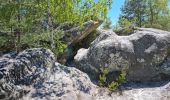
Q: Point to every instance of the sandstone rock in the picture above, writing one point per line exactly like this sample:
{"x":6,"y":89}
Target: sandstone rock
{"x":64,"y":83}
{"x":145,"y":92}
{"x":142,"y":53}
{"x":27,"y":68}
{"x":33,"y":75}
{"x":74,"y":36}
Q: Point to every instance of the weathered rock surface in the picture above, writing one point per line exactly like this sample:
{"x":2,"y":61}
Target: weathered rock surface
{"x":144,"y":53}
{"x":33,"y":75}
{"x":65,"y":83}
{"x":25,"y":69}
{"x":145,"y":92}
{"x":73,"y":35}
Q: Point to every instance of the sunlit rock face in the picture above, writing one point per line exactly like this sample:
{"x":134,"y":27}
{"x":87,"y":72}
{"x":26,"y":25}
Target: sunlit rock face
{"x":27,"y":68}
{"x":144,"y":53}
{"x":34,"y":75}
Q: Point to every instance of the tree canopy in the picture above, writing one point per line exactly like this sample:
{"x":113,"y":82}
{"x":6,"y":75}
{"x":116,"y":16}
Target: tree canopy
{"x":30,"y":18}
{"x":146,"y":13}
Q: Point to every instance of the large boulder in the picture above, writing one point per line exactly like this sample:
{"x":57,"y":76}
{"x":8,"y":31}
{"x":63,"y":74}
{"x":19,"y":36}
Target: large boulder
{"x":63,"y":83}
{"x":34,"y":75}
{"x":144,"y":54}
{"x":25,"y":69}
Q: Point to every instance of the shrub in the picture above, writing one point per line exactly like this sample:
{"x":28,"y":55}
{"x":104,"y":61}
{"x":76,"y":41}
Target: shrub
{"x":124,"y":27}
{"x":6,"y":44}
{"x":103,"y":77}
{"x":115,"y":82}
{"x":158,"y":26}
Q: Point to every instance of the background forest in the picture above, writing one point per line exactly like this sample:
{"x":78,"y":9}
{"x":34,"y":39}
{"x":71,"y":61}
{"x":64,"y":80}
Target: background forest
{"x":143,"y":13}
{"x":33,"y":23}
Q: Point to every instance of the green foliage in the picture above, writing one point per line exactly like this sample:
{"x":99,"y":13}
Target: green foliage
{"x":158,"y":26}
{"x":125,"y":27}
{"x":115,"y":82}
{"x":143,"y":13}
{"x":103,"y":77}
{"x":164,"y":22}
{"x":107,"y":24}
{"x":134,"y":9}
{"x":119,"y":80}
{"x":113,"y":86}
{"x":41,"y":40}
{"x":6,"y":44}
{"x":27,"y":16}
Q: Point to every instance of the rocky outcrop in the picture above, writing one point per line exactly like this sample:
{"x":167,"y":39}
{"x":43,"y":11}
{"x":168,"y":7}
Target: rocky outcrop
{"x":34,"y":75}
{"x":145,"y":92}
{"x":75,"y":34}
{"x":27,"y":68}
{"x":143,"y":53}
{"x":64,"y":83}
{"x":74,"y":37}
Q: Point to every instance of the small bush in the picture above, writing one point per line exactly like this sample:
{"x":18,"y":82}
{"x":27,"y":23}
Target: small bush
{"x":103,"y":77}
{"x":124,"y":27}
{"x":6,"y":44}
{"x":124,"y":31}
{"x":113,"y":86}
{"x":158,"y":26}
{"x":115,"y":82}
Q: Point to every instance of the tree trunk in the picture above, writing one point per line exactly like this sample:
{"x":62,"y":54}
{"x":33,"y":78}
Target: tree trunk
{"x":151,"y":13}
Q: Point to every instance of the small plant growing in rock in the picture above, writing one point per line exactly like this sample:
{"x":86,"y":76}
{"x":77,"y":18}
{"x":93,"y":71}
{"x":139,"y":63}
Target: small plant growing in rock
{"x":113,"y":86}
{"x":116,"y":82}
{"x":102,"y":77}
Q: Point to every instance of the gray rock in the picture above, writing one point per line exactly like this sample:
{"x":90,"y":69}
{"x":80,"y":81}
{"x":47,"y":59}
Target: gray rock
{"x":145,"y":93}
{"x":165,"y":67}
{"x":141,"y":53}
{"x":64,"y":83}
{"x":74,"y":34}
{"x":33,"y":75}
{"x":27,"y":68}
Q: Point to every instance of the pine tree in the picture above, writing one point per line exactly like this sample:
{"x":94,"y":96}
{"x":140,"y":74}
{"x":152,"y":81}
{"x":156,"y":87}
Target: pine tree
{"x":134,"y":9}
{"x":148,"y":13}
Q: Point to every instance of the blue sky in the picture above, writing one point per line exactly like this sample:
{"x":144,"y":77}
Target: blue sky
{"x":115,"y":11}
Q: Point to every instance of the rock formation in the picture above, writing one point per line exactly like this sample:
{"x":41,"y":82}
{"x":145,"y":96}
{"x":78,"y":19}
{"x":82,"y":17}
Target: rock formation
{"x":144,"y":53}
{"x":73,"y":35}
{"x":34,"y":75}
